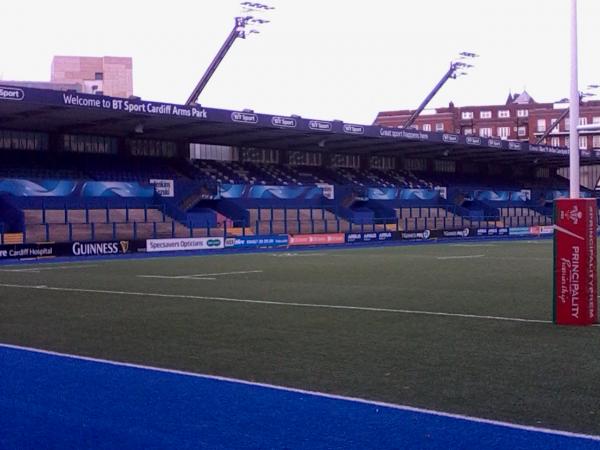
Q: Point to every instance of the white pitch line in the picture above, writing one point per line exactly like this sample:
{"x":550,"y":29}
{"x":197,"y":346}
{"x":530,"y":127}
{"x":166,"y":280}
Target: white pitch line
{"x":413,"y":409}
{"x":459,"y":257}
{"x":39,"y":269}
{"x":198,"y":276}
{"x":274,"y":302}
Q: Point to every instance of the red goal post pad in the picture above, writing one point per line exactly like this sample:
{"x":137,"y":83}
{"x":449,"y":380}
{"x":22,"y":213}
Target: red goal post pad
{"x":575,"y":280}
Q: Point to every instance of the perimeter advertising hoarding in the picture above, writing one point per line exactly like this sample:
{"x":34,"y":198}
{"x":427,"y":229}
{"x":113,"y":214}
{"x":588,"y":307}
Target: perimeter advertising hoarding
{"x":575,"y":279}
{"x":373,"y":237}
{"x":317,"y":239}
{"x":261,"y":241}
{"x":184,"y":244}
{"x":78,"y":248}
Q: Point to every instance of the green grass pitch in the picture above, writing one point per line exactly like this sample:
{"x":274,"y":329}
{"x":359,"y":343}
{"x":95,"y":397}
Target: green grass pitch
{"x":457,"y":328}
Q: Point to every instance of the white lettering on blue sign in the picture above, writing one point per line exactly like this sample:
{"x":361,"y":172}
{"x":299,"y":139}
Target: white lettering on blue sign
{"x":450,"y":138}
{"x":514,"y":145}
{"x":353,"y":129}
{"x":285,"y":122}
{"x":319,"y":125}
{"x":11,"y":93}
{"x":496,"y":143}
{"x":244,"y":117}
{"x":473,"y":140}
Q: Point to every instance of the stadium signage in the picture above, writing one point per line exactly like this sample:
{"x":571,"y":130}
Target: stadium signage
{"x":575,"y":278}
{"x":267,"y":241}
{"x":416,"y":235}
{"x":456,"y":233}
{"x":492,"y":232}
{"x":119,"y":104}
{"x":164,"y":188}
{"x":99,"y":248}
{"x":452,"y":138}
{"x":244,"y":117}
{"x":317,"y":239}
{"x":353,"y":129}
{"x":319,"y":125}
{"x":473,"y":140}
{"x":513,"y":145}
{"x":495,"y":143}
{"x":388,"y":132}
{"x":285,"y":122}
{"x":27,"y":251}
{"x":372,"y":237}
{"x":176,"y":245}
{"x":11,"y":93}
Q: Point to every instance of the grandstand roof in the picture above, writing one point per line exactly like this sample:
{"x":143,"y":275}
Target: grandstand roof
{"x":71,"y":112}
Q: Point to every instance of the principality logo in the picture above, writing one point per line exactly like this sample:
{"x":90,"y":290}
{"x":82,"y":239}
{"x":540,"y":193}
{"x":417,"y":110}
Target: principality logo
{"x":11,"y":93}
{"x":574,"y":215}
{"x":124,"y":246}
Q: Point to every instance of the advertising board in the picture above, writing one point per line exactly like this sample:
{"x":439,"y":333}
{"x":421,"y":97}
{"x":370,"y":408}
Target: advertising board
{"x":184,"y":244}
{"x":317,"y":239}
{"x":575,"y":280}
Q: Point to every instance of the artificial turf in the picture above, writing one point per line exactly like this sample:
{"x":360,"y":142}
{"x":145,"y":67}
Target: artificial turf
{"x":526,"y":372}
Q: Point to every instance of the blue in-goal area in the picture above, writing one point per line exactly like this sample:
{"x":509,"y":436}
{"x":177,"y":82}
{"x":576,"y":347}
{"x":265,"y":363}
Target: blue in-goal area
{"x":49,"y":400}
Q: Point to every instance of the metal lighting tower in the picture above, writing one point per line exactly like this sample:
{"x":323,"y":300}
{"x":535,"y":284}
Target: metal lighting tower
{"x":238,"y":31}
{"x":457,"y":69}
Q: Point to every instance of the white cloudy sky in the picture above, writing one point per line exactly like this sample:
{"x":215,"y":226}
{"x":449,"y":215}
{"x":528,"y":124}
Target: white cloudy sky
{"x":343,"y":59}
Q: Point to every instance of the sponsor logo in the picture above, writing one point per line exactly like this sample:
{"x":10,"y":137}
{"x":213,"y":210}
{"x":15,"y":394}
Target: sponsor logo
{"x":124,"y":246}
{"x":574,"y":215}
{"x":456,"y":233}
{"x":230,"y":242}
{"x":98,"y":248}
{"x":353,"y":129}
{"x":244,"y":117}
{"x":496,"y":143}
{"x":319,"y":125}
{"x":11,"y":93}
{"x":473,"y":140}
{"x":417,"y":235}
{"x":452,"y":138}
{"x":175,"y":245}
{"x":519,"y":231}
{"x":285,"y":122}
{"x":512,"y":145}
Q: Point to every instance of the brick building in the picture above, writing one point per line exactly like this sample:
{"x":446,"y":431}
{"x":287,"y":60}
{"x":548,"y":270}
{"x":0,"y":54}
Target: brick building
{"x":520,"y":118}
{"x":108,"y":75}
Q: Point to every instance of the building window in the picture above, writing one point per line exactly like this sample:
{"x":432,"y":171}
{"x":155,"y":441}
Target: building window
{"x":439,"y":126}
{"x":583,"y":121}
{"x":583,"y":142}
{"x":522,"y":131}
{"x":555,"y":141}
{"x":522,"y":113}
{"x":567,"y":141}
{"x":595,"y":119}
{"x":426,"y":127}
{"x":485,"y":132}
{"x":468,"y":131}
{"x":541,"y":125}
{"x":485,"y":114}
{"x":504,"y":132}
{"x":99,"y":76}
{"x":567,"y":124}
{"x":504,"y":113}
{"x":596,"y":141}
{"x":467,"y":114}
